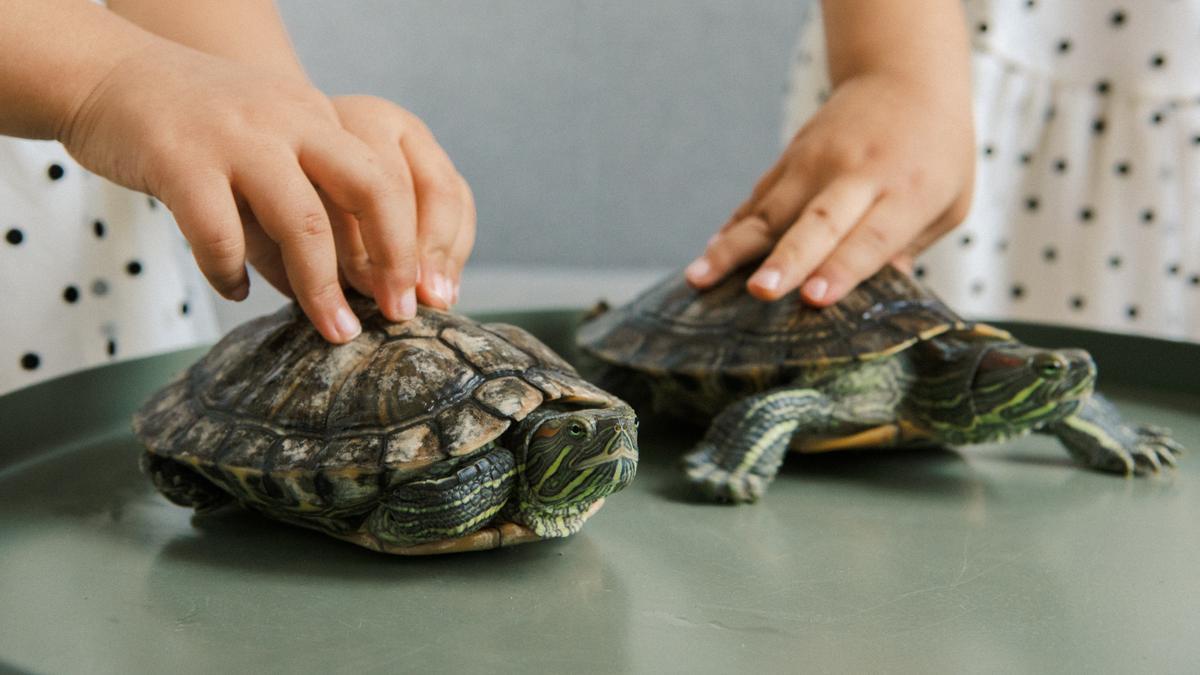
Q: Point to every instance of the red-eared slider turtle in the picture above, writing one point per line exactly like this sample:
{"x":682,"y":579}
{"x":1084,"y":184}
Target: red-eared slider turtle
{"x":435,"y":435}
{"x":889,"y":365}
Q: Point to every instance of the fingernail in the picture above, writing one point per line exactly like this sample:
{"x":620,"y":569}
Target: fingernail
{"x":408,"y":304}
{"x":456,"y":289}
{"x":347,"y":324}
{"x":768,"y":280}
{"x":445,"y":290}
{"x":698,"y":269}
{"x":241,"y":292}
{"x":815,"y":288}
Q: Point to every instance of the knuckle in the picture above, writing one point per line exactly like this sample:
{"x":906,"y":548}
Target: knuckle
{"x":442,"y":191}
{"x":323,"y":293}
{"x":916,"y":180}
{"x":875,"y":235}
{"x":311,"y":225}
{"x":845,"y":154}
{"x":819,"y":217}
{"x":398,"y":263}
{"x":222,"y":247}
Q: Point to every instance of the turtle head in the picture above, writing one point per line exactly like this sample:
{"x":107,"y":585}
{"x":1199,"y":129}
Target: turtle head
{"x":1016,"y":388}
{"x":571,"y":459}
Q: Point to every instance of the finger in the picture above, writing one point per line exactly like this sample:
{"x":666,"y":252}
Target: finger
{"x":263,"y":254}
{"x":464,"y":241}
{"x":353,"y":261}
{"x":208,"y":218}
{"x":823,"y":223}
{"x":442,"y":201}
{"x":287,"y":207}
{"x":752,"y":236}
{"x":377,"y":191}
{"x":881,"y":234}
{"x":903,"y":262}
{"x":749,"y":239}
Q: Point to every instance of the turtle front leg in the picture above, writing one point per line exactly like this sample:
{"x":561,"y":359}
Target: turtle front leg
{"x":446,"y":504}
{"x":742,"y":450}
{"x":1097,"y":437}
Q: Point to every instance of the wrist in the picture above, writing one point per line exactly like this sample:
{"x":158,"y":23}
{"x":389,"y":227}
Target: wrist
{"x":56,"y":53}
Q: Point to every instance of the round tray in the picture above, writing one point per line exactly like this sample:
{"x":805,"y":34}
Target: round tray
{"x":986,"y":558}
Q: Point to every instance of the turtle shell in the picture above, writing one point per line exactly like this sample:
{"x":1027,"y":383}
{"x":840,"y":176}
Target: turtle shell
{"x":673,"y":329}
{"x":278,"y":417}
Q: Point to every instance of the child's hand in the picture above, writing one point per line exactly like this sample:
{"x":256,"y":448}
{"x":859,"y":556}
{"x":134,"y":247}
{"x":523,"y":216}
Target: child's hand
{"x":879,"y":172}
{"x":445,"y":209}
{"x":243,"y":158}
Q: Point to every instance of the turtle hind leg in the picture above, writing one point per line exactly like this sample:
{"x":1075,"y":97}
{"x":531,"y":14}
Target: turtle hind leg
{"x":742,"y":450}
{"x":182,"y":484}
{"x":446,"y":504}
{"x":1097,"y":437}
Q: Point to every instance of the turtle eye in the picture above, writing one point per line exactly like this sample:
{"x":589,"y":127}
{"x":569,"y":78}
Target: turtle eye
{"x":577,"y":430}
{"x":1050,"y":366}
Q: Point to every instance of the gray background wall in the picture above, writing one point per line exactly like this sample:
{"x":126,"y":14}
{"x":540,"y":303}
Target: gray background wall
{"x":608,"y":133}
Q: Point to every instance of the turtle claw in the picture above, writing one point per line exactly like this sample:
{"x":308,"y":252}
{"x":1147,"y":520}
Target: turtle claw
{"x":1145,"y":460}
{"x":735,"y":487}
{"x":1157,"y":446}
{"x":1097,"y":437}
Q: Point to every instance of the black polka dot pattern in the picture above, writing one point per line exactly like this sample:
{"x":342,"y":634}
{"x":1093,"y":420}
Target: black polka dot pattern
{"x":91,"y":272}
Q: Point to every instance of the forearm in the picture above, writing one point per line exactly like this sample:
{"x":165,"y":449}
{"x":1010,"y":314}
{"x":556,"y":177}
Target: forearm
{"x":53,"y":54}
{"x":246,"y":31}
{"x":923,"y":41}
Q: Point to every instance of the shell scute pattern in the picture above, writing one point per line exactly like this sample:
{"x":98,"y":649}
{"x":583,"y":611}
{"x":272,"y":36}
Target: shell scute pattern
{"x":521,"y":339}
{"x":402,"y":380}
{"x":510,"y":397}
{"x":463,"y":425}
{"x":484,"y":351}
{"x":281,"y":418}
{"x":675,"y":329}
{"x":418,"y":443}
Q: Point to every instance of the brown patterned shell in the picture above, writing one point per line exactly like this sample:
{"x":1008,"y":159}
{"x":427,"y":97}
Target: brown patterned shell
{"x":330,"y":424}
{"x":674,"y":329}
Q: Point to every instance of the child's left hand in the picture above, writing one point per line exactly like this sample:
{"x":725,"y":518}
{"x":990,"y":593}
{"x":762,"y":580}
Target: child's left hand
{"x":445,"y":208}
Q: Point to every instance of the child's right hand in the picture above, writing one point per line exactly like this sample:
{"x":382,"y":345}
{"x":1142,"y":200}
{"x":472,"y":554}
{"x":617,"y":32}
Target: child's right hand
{"x":244,"y":159}
{"x":877,"y":174}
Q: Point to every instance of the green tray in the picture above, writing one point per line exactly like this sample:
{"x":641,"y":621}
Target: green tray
{"x":994,"y":558}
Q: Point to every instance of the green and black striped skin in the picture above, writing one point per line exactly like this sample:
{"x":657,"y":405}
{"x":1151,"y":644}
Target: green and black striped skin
{"x":890,"y":365}
{"x":426,"y":436}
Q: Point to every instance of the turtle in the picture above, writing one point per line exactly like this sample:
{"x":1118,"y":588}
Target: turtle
{"x":435,"y":435}
{"x":890,"y":365}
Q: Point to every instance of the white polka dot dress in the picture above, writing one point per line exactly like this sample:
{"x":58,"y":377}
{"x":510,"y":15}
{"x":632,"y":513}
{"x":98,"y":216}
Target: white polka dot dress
{"x":1088,"y":125}
{"x":92,"y":273}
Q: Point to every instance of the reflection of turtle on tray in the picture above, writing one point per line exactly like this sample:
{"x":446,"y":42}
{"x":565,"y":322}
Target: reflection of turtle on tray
{"x":889,"y":365}
{"x":435,"y":435}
